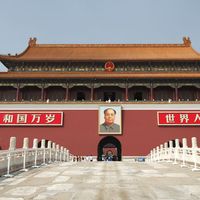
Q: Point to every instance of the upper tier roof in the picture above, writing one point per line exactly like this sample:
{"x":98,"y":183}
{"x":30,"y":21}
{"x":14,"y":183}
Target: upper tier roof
{"x":105,"y":52}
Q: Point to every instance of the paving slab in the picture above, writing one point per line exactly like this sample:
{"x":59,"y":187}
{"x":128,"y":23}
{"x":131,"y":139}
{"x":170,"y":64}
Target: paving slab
{"x":103,"y":180}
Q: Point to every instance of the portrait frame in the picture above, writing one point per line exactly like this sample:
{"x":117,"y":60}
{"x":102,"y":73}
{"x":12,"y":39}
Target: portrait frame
{"x":117,"y":121}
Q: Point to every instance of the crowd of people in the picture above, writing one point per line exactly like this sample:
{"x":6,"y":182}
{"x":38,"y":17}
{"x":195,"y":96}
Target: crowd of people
{"x":106,"y":157}
{"x":109,"y":157}
{"x":83,"y":158}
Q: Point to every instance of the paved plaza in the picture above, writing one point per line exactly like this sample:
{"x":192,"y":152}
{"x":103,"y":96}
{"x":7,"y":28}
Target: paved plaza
{"x":103,"y":180}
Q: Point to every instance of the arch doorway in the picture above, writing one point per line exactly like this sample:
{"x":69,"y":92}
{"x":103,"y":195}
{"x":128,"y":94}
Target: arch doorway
{"x":109,"y":148}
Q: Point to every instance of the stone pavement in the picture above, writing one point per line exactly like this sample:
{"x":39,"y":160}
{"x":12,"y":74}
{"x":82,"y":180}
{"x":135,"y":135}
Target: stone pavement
{"x":103,"y":180}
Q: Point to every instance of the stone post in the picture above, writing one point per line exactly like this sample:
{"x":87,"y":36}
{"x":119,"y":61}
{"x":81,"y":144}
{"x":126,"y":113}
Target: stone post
{"x":158,"y":153}
{"x":161,"y":152}
{"x":54,"y":151}
{"x":61,"y":153}
{"x":25,"y":143}
{"x":49,"y":144}
{"x":184,"y":151}
{"x":166,"y":150}
{"x":64,"y":155}
{"x":25,"y":147}
{"x":176,"y":151}
{"x":194,"y":142}
{"x":43,"y":144}
{"x":170,"y":151}
{"x":50,"y":152}
{"x":68,"y":159}
{"x":12,"y":145}
{"x":35,"y":143}
{"x":35,"y":147}
{"x":194,"y":153}
{"x":184,"y":143}
{"x":177,"y":143}
{"x":151,"y":154}
{"x":154,"y":154}
{"x":44,"y":151}
{"x":57,"y":152}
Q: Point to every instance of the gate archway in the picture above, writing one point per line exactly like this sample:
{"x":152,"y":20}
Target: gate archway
{"x":109,"y":144}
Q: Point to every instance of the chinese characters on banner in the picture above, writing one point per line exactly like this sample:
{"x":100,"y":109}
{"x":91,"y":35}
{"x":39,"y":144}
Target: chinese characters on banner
{"x":31,"y":118}
{"x":178,"y":118}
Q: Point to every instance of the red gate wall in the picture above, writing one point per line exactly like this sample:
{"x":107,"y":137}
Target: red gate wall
{"x":79,"y":132}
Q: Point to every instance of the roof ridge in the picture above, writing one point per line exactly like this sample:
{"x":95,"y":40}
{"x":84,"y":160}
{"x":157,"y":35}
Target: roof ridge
{"x":186,"y":43}
{"x":109,"y":45}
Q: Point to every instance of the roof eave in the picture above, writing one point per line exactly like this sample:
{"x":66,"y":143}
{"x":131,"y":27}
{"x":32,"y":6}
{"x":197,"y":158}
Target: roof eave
{"x":100,"y":75}
{"x":14,"y":59}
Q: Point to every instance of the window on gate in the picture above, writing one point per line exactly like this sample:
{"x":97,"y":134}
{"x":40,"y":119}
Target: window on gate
{"x":80,"y":96}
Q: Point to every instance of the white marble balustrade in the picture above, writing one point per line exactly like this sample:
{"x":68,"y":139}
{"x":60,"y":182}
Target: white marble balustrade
{"x":185,"y":156}
{"x":14,"y":159}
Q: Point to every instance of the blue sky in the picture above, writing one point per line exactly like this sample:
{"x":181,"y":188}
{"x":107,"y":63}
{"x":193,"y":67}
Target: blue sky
{"x":92,"y":21}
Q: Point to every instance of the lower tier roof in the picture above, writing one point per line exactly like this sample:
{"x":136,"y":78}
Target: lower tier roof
{"x":97,"y":75}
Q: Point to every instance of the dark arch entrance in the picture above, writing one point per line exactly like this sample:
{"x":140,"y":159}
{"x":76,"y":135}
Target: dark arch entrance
{"x":110,"y":143}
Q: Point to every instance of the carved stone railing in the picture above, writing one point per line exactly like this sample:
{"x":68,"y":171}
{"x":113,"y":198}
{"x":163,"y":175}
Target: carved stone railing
{"x":13,"y":159}
{"x":185,"y":156}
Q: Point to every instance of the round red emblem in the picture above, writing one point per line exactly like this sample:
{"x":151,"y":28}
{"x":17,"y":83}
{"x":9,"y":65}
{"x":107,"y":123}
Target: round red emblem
{"x":109,"y":66}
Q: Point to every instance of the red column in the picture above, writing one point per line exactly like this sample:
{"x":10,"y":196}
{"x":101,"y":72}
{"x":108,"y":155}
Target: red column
{"x":17,"y":93}
{"x":45,"y":95}
{"x":92,"y":92}
{"x":126,"y":93}
{"x":197,"y":94}
{"x":67,"y":93}
{"x":176,"y":93}
{"x":151,"y":93}
{"x":42,"y":93}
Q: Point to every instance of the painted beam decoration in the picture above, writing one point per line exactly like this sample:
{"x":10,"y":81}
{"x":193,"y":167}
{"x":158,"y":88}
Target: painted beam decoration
{"x":178,"y":118}
{"x":27,"y":118}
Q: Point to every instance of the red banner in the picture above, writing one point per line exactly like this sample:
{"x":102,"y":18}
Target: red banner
{"x":178,"y":118}
{"x":27,"y":118}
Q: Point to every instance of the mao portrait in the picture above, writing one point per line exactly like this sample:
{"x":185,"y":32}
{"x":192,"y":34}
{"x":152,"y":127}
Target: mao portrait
{"x":110,"y":120}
